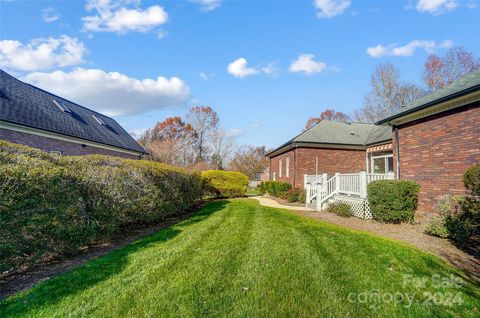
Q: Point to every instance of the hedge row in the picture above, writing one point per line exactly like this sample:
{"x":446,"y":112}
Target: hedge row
{"x":225,"y":184}
{"x":275,"y":188}
{"x":53,"y":205}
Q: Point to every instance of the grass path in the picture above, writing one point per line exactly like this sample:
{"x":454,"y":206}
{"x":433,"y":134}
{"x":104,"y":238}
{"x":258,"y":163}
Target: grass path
{"x":239,"y":259}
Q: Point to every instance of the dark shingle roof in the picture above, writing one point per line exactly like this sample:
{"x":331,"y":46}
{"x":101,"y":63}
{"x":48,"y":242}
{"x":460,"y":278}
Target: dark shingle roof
{"x":342,"y":133}
{"x":27,"y":105}
{"x":465,"y":85}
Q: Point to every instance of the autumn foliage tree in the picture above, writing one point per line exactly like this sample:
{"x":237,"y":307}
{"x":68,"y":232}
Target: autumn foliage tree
{"x":441,"y":71}
{"x":169,"y":141}
{"x":328,"y":114}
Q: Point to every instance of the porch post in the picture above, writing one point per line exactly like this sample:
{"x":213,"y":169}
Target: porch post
{"x":307,"y":188}
{"x":363,"y":184}
{"x":337,"y":184}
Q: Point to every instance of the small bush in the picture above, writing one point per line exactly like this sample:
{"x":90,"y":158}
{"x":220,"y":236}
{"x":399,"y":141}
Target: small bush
{"x":52,"y":205}
{"x":294,"y":195}
{"x":225,"y":184}
{"x":447,"y":206}
{"x":261,"y":188}
{"x":462,"y":225}
{"x":471,"y":179}
{"x":436,"y":227}
{"x":341,"y":209}
{"x":393,"y":201}
{"x":277,"y":188}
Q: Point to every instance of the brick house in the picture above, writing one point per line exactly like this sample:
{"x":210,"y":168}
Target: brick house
{"x":331,"y":147}
{"x":39,"y":119}
{"x":437,"y":138}
{"x":432,"y":141}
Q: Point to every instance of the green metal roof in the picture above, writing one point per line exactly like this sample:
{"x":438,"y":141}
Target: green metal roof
{"x":463,"y":86}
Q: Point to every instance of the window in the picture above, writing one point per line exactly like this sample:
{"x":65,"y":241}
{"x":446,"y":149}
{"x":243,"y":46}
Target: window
{"x":382,"y":164}
{"x":99,"y":120}
{"x":287,"y":167}
{"x":56,"y":153}
{"x":61,"y":105}
{"x":280,"y":163}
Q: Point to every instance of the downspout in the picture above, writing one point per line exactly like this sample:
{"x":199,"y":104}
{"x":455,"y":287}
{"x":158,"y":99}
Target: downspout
{"x":397,"y":151}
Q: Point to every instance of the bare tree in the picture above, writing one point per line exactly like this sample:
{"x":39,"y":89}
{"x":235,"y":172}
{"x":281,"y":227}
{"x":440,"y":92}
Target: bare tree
{"x":222,"y":146}
{"x":328,"y":114}
{"x":204,"y":122}
{"x":249,"y":160}
{"x":388,"y":94}
{"x":441,"y":71}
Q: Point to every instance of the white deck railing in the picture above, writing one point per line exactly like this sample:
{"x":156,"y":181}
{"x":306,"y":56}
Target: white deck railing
{"x":352,"y":184}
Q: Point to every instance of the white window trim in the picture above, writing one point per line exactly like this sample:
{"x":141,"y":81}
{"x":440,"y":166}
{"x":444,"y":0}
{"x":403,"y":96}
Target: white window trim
{"x":287,"y":167}
{"x":372,"y":158}
{"x":280,"y":163}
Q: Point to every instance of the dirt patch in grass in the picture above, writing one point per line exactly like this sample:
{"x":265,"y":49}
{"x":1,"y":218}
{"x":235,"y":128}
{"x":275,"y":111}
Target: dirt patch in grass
{"x":25,"y":278}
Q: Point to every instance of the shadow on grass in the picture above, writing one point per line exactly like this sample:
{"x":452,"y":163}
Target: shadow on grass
{"x":95,"y":271}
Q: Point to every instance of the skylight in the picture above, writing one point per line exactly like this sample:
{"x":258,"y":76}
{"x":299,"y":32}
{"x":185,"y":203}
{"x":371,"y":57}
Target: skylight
{"x":99,"y":120}
{"x":61,"y":105}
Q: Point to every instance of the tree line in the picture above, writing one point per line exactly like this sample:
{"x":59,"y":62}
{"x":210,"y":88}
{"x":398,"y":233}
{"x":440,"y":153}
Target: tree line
{"x":198,"y":142}
{"x":389,"y":94}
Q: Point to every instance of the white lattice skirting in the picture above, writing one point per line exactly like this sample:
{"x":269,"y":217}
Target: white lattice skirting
{"x":360,"y":207}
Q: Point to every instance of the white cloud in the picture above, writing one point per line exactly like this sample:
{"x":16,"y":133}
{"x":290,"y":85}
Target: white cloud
{"x":408,"y":49}
{"x":113,"y":93}
{"x":256,"y":125}
{"x":205,"y":76}
{"x":331,"y":8}
{"x":306,"y":64}
{"x":436,"y":6}
{"x":118,"y":16}
{"x":137,"y":133}
{"x":208,"y":5}
{"x":41,"y":54}
{"x":50,"y":15}
{"x":239,"y":68}
{"x":161,"y":34}
{"x":234,"y":132}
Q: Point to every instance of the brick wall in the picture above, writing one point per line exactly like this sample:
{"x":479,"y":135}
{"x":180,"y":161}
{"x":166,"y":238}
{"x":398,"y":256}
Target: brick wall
{"x":436,"y":151}
{"x":50,"y":144}
{"x":329,"y":161}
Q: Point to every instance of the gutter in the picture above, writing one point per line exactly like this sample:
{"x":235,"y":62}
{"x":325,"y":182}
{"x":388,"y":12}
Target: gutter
{"x":429,"y":104}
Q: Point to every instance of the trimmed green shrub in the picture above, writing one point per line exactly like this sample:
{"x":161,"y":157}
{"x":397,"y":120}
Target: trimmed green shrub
{"x":52,"y":205}
{"x":471,"y":179}
{"x":277,"y":188}
{"x":341,"y":209}
{"x":393,"y":201}
{"x":225,"y":184}
{"x":261,"y":188}
{"x":294,"y":195}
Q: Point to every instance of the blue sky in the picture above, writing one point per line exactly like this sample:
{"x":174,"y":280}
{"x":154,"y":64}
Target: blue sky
{"x":289,"y":60}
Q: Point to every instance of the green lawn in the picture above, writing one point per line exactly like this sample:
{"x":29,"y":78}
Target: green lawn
{"x":238,"y":259}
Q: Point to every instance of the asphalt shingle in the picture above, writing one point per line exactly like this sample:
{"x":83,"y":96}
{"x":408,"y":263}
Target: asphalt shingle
{"x":27,"y":105}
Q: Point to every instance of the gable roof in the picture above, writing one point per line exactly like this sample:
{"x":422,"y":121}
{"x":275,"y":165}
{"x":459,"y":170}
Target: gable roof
{"x":27,"y":105}
{"x":337,"y":133}
{"x":467,"y":84}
